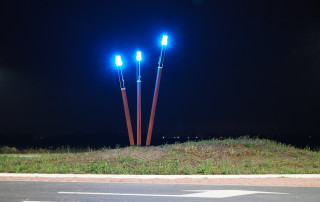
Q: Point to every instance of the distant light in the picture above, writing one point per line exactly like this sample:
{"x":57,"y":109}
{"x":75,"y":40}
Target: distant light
{"x":118,"y":61}
{"x":139,"y":58}
{"x":164,"y":40}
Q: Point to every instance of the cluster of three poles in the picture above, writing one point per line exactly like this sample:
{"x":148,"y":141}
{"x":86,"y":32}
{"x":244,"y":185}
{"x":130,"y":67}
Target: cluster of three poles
{"x":155,"y":95}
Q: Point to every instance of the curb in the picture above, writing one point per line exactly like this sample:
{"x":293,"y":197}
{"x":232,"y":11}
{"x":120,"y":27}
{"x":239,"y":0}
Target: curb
{"x":160,"y":176}
{"x":295,"y":180}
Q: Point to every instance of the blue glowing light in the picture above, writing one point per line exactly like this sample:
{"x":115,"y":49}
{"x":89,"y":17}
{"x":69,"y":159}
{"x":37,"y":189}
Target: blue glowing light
{"x":118,"y":61}
{"x":164,"y":40}
{"x":139,"y":58}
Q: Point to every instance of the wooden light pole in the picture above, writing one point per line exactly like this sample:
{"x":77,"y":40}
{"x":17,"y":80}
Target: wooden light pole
{"x":138,"y":99}
{"x":124,"y":99}
{"x":156,"y":89}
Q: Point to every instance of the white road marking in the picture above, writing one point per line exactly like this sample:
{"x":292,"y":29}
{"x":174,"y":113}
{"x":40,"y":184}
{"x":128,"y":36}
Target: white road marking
{"x":37,"y":201}
{"x":224,"y":193}
{"x":202,"y":194}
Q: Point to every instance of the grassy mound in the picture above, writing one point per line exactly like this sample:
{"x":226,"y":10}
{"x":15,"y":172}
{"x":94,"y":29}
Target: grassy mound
{"x":229,"y":156}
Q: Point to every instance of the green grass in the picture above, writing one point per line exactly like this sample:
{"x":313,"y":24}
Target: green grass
{"x":229,"y":156}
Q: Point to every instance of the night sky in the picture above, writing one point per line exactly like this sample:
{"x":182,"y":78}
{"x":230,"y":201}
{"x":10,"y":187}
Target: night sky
{"x":231,"y":67}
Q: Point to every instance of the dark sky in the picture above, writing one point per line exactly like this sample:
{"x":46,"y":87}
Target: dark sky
{"x":231,"y":67}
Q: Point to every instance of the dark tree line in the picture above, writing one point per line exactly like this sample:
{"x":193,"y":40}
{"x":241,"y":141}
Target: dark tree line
{"x":99,"y":140}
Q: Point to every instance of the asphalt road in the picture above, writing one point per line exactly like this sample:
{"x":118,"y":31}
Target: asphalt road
{"x":83,"y":191}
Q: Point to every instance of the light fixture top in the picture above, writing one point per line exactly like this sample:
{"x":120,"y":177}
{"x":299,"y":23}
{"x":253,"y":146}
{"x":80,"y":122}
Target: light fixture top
{"x":164,"y":40}
{"x":139,"y":58}
{"x":118,"y":61}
